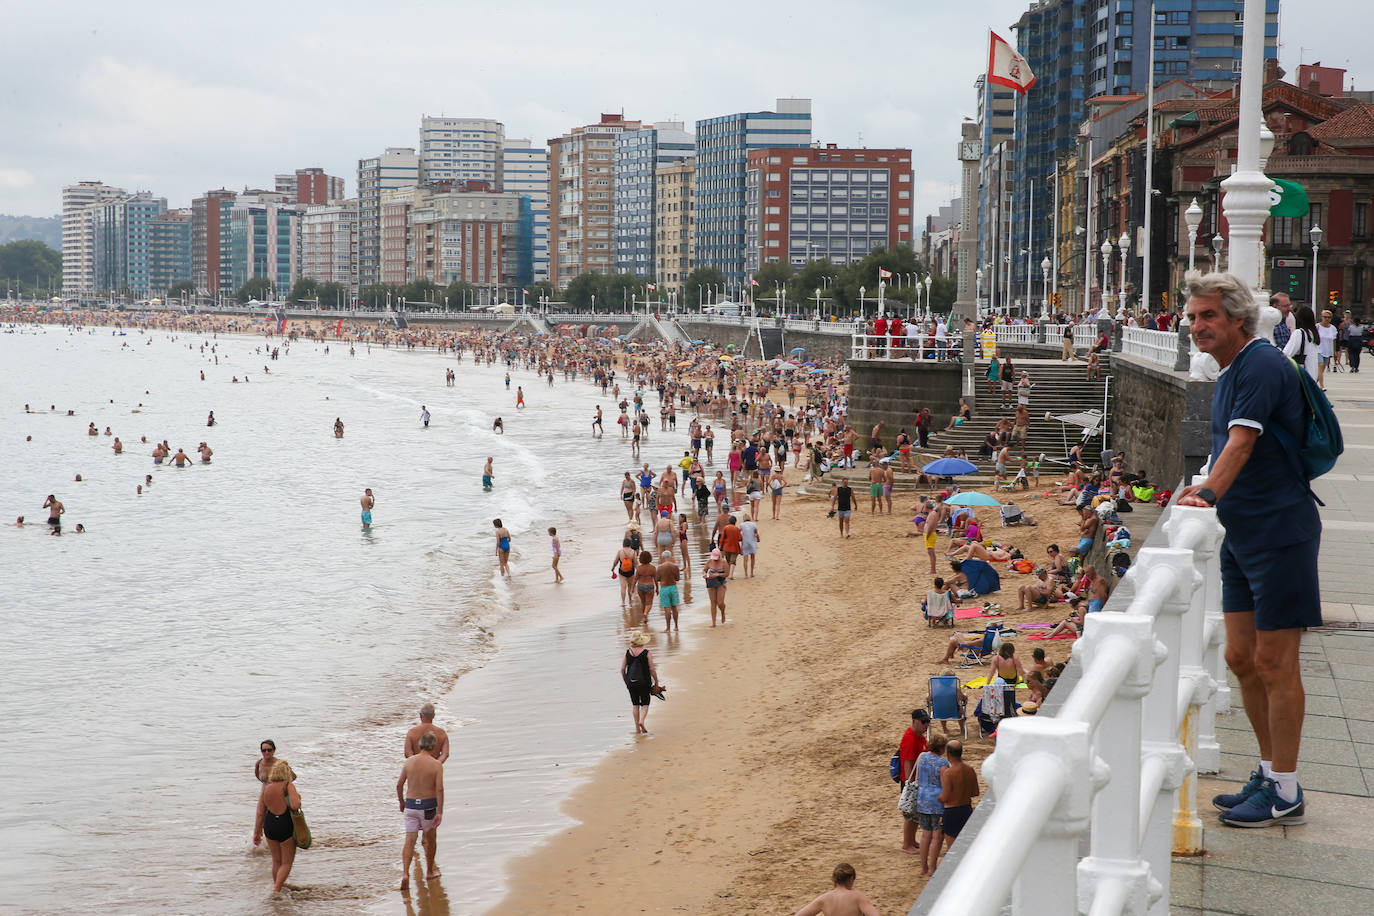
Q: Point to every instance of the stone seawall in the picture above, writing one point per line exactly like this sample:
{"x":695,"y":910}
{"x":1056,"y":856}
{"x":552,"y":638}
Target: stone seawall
{"x":891,"y":391}
{"x":1160,"y":419}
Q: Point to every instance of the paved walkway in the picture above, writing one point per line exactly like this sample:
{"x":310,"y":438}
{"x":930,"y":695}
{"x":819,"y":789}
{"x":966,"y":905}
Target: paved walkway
{"x":1325,"y":866}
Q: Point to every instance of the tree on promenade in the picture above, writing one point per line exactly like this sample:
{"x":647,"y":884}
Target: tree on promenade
{"x":29,"y":266}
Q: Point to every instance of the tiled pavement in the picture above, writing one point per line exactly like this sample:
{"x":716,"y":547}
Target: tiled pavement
{"x":1325,"y":866}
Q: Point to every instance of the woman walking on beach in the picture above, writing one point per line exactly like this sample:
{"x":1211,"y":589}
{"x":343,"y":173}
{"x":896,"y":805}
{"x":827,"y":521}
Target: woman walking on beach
{"x":640,"y":675}
{"x":715,"y":573}
{"x":749,"y":543}
{"x":627,"y":495}
{"x":275,"y":804}
{"x":929,"y":809}
{"x":623,"y":567}
{"x":646,"y":585}
{"x":775,"y":487}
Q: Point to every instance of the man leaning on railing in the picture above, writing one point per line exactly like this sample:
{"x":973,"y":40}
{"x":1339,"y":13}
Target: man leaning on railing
{"x":1269,"y":588}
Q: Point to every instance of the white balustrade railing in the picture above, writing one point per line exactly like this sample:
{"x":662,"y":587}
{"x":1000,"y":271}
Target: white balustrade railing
{"x":1114,"y":761}
{"x":1084,"y":335}
{"x":1159,"y":347}
{"x":881,"y":346}
{"x":1016,"y":333}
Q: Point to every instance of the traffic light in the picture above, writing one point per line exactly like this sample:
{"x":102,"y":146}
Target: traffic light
{"x":1166,"y":300}
{"x":1334,"y":299}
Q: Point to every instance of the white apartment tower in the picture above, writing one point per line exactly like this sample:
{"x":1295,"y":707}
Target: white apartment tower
{"x":461,"y":149}
{"x":329,"y":243}
{"x":397,"y":167}
{"x":78,"y":233}
{"x":526,"y":171}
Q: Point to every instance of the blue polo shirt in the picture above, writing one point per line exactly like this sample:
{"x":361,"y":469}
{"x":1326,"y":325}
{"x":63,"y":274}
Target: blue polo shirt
{"x":1270,"y":504}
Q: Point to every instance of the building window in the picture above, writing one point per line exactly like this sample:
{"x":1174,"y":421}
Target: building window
{"x":1292,"y":231}
{"x":1358,"y":292}
{"x":1360,"y":220}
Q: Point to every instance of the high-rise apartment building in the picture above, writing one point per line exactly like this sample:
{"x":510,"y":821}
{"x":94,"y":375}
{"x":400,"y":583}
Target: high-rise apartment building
{"x":397,"y":167}
{"x":210,"y":255}
{"x":996,"y":119}
{"x":582,"y":199}
{"x":525,"y":170}
{"x":123,"y":255}
{"x":639,"y":154}
{"x":723,"y":146}
{"x":673,"y":222}
{"x":169,"y":251}
{"x":1079,"y":49}
{"x":264,"y":240}
{"x":310,"y":186}
{"x":329,"y":243}
{"x":395,"y":253}
{"x":471,"y":233}
{"x":462,"y":149}
{"x":78,"y":239}
{"x":825,"y":203}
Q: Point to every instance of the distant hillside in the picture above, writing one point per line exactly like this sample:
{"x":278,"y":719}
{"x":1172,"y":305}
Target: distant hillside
{"x":46,"y":229}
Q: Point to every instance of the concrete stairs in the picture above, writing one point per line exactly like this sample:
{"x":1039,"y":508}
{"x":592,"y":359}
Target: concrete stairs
{"x":1060,"y":388}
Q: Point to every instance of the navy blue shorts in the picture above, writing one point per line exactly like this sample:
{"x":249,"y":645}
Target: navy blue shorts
{"x":1279,"y":585}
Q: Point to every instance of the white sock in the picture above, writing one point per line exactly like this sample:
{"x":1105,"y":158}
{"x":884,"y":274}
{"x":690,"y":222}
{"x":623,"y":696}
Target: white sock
{"x":1286,"y":784}
{"x":1266,"y":767}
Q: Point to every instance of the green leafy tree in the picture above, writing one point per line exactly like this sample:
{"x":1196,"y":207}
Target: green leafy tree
{"x":181,"y":288}
{"x":460,"y":294}
{"x":29,"y":267}
{"x":696,"y":286}
{"x":538,"y":290}
{"x":583,"y":291}
{"x":421,"y":291}
{"x":304,"y":289}
{"x":256,"y":288}
{"x":770,"y":277}
{"x":374,"y":295}
{"x":332,"y":294}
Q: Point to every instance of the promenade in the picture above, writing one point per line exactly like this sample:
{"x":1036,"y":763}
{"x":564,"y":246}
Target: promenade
{"x":1326,"y":865}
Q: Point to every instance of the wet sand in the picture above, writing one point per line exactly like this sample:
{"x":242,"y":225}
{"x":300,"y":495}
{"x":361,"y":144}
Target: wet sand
{"x":769,"y":764}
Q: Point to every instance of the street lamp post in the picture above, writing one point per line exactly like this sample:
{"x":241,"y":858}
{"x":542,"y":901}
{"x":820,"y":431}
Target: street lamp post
{"x":1218,"y":245}
{"x":1045,"y":287}
{"x":1124,"y":243}
{"x":978,"y":304}
{"x":862,"y":290}
{"x":1106,"y":274}
{"x":1193,"y":217}
{"x":927,"y":296}
{"x":1315,"y":233}
{"x":818,"y":303}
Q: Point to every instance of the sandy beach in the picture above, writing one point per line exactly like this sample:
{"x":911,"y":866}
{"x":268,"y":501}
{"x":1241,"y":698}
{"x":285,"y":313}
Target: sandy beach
{"x":769,"y":764}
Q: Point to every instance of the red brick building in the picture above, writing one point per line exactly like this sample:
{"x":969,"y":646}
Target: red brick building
{"x":817,"y":203}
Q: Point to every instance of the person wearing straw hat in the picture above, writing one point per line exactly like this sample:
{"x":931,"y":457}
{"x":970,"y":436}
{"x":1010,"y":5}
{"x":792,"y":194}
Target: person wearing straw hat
{"x":640,"y":675}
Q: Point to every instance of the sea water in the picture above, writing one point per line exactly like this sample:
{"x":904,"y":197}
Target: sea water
{"x":144,"y":660}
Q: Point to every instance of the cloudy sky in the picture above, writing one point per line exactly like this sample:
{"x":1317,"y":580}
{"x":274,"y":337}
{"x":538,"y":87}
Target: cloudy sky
{"x":176,"y":98}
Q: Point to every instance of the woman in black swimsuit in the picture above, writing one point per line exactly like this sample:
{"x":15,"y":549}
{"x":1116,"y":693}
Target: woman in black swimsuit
{"x":275,"y":804}
{"x":715,"y":572}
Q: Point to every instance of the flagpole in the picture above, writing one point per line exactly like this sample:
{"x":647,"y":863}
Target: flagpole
{"x":1149,"y":168}
{"x":1030,"y":218}
{"x":1088,"y":230}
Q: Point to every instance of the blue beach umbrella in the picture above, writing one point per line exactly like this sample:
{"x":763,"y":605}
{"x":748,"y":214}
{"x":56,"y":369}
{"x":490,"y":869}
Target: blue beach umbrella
{"x":815,"y":371}
{"x":698,"y":342}
{"x":799,"y":349}
{"x":972,"y":498}
{"x":950,"y":467}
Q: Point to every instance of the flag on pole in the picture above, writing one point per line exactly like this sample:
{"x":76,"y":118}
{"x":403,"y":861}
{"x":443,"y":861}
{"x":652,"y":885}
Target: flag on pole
{"x":281,"y":325}
{"x":753,"y":282}
{"x":1006,"y":67}
{"x":1287,"y":198}
{"x":884,"y":274}
{"x":338,"y":328}
{"x":650,"y":286}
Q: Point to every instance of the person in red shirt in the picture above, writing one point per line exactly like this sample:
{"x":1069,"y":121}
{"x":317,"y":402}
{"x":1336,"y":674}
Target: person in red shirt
{"x":731,"y":540}
{"x":913,"y":745}
{"x":898,"y":334}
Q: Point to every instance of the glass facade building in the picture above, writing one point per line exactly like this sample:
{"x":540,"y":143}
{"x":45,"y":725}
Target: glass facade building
{"x":525,"y":169}
{"x":639,"y":154}
{"x":123,"y":255}
{"x":722,"y":152}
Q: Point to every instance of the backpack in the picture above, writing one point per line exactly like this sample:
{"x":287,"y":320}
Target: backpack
{"x":1321,"y":442}
{"x":894,"y":767}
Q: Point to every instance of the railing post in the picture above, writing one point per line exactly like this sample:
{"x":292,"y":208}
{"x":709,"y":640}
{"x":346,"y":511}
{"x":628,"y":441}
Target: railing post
{"x":1160,"y":750}
{"x":1196,"y":528}
{"x":1115,"y":855}
{"x":1047,"y":882}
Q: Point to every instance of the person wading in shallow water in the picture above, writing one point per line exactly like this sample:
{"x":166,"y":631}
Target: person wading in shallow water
{"x":420,"y":792}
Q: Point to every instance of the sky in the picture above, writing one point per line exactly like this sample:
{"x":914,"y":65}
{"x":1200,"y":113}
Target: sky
{"x":178,"y":98}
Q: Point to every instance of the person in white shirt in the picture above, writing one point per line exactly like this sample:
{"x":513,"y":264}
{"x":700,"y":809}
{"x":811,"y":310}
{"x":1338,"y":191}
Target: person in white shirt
{"x":1326,"y":336}
{"x":1302,"y":346}
{"x":941,"y":337}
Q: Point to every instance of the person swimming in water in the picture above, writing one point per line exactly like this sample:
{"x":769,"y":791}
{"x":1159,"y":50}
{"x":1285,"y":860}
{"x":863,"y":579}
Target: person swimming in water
{"x":498,"y":427}
{"x":338,"y":428}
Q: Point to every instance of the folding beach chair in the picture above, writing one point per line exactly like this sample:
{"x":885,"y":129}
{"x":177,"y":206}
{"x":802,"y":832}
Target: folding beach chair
{"x":1011,"y":515}
{"x":946,"y":703}
{"x":992,"y":638}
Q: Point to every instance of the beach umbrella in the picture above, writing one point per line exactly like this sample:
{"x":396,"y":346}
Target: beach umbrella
{"x":808,"y":364}
{"x":815,"y":372}
{"x":697,"y":342}
{"x":789,"y":366}
{"x":950,"y":467}
{"x":684,"y":364}
{"x":972,"y":498}
{"x":799,"y":349}
{"x":727,"y":359}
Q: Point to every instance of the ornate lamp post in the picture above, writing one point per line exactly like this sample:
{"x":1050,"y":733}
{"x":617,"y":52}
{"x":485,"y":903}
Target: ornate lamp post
{"x":1106,"y":274}
{"x":1045,"y":287}
{"x":1315,"y":233}
{"x":978,"y":306}
{"x":1193,"y":217}
{"x":927,"y":297}
{"x":1218,"y":245}
{"x":1124,"y":243}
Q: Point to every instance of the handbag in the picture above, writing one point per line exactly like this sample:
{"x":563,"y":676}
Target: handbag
{"x":302,"y":830}
{"x":906,"y":802}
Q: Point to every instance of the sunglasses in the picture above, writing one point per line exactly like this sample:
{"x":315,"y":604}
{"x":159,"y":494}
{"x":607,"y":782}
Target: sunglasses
{"x":267,"y":750}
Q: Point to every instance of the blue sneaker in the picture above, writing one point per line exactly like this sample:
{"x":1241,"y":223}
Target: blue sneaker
{"x":1231,"y":799}
{"x":1265,"y":809}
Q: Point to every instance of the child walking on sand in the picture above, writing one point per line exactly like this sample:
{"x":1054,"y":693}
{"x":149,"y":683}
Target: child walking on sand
{"x":557,"y":552}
